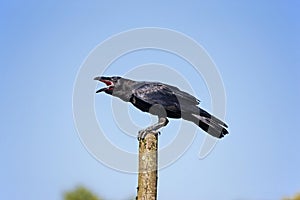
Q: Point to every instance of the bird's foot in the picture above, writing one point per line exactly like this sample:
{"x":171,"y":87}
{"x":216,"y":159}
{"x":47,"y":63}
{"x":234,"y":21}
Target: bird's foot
{"x":143,"y":133}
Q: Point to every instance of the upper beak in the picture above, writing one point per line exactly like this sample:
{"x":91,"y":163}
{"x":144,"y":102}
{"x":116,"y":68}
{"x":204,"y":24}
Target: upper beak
{"x":101,"y":78}
{"x":98,"y":78}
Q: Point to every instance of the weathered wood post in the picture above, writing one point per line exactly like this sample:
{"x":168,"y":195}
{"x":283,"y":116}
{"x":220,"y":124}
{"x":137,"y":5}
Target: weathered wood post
{"x":147,"y":179}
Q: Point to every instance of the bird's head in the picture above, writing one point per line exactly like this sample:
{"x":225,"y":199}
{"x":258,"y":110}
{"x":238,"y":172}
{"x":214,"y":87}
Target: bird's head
{"x":110,"y":82}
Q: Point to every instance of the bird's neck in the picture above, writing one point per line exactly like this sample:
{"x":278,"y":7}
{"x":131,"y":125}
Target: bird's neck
{"x":124,"y":90}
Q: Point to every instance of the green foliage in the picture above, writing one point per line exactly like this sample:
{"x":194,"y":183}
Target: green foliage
{"x":296,"y":197}
{"x":80,"y":193}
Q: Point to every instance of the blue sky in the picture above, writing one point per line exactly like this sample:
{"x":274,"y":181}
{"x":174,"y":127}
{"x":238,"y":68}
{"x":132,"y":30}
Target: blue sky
{"x":254,"y":44}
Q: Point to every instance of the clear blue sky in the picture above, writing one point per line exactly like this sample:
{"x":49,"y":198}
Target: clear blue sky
{"x":255,"y":46}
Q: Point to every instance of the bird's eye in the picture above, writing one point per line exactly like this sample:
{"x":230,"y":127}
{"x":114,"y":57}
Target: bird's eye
{"x":115,"y":78}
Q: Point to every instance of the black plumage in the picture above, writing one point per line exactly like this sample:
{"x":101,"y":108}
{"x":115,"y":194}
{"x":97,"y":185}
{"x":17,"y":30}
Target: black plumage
{"x":164,"y":101}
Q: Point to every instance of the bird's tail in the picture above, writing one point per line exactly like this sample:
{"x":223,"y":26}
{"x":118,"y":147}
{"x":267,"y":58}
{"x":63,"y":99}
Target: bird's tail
{"x":208,"y":123}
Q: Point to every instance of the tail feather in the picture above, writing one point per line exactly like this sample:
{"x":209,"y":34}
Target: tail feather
{"x":210,"y":125}
{"x":215,"y":120}
{"x":204,"y":120}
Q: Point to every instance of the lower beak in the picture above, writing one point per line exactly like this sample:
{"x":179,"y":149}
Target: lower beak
{"x":101,"y":90}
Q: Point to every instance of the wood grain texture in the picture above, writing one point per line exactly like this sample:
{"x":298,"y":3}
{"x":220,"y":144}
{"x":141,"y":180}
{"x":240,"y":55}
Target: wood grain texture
{"x":147,"y":179}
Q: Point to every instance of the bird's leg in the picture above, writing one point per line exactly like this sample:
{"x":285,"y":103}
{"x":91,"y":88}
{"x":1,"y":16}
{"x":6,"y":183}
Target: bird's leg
{"x":162,"y":121}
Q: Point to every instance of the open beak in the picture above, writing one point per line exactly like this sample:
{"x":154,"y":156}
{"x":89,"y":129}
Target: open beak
{"x":110,"y":85}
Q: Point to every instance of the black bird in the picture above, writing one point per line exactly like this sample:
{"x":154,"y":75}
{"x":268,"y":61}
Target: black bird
{"x":164,"y":101}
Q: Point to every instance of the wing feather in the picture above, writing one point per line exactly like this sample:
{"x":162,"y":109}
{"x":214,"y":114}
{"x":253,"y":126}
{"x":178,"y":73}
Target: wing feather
{"x":165,"y":95}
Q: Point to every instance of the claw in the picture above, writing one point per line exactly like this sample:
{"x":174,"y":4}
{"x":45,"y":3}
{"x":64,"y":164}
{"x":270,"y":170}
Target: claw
{"x":143,"y":133}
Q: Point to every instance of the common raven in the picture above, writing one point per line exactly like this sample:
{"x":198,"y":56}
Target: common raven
{"x":164,"y":101}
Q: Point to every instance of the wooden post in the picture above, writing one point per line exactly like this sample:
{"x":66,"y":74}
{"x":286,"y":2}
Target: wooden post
{"x":147,"y":180}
